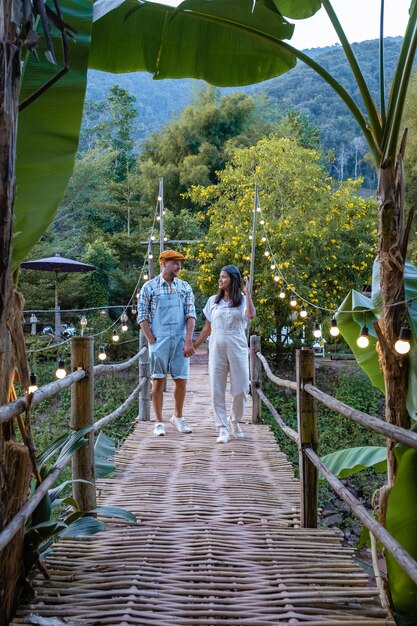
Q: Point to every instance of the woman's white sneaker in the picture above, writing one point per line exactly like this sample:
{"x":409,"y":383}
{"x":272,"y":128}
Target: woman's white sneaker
{"x":159,"y":429}
{"x":223,"y":436}
{"x":180,"y":424}
{"x":235,"y":430}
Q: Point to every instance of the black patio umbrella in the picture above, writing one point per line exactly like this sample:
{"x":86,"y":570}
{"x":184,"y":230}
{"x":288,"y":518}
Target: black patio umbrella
{"x":57,"y":264}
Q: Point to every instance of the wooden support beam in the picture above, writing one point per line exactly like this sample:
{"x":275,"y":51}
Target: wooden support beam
{"x":144,"y":372}
{"x":255,"y":379}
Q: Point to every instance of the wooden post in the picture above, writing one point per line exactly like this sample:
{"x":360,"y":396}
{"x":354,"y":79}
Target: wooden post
{"x":255,"y":379}
{"x":82,"y":414}
{"x":144,"y":372}
{"x":307,"y":429}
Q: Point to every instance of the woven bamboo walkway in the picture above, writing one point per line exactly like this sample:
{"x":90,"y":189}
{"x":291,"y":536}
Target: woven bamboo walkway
{"x":217,"y":541}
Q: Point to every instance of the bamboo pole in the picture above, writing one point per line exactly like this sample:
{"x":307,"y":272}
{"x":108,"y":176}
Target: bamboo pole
{"x":307,"y":429}
{"x":281,"y":382}
{"x":82,"y":414}
{"x":144,"y":373}
{"x":255,"y":379}
{"x":292,"y":434}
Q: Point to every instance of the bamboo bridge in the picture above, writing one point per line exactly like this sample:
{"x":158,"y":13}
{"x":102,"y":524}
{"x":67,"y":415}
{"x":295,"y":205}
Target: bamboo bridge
{"x":219,"y":540}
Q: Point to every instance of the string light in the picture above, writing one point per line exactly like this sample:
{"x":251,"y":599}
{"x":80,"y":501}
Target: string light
{"x":102,"y":353}
{"x":250,"y":237}
{"x":103,"y":313}
{"x":266,"y":253}
{"x":165,"y":238}
{"x":150,"y":256}
{"x":145,"y":277}
{"x":134,"y":310}
{"x":262,"y":222}
{"x":115,"y":336}
{"x":276,"y":278}
{"x":158,"y":217}
{"x":363,"y":339}
{"x":282,"y":293}
{"x":303,"y":312}
{"x":33,"y":386}
{"x":83,"y":324}
{"x":293,"y":300}
{"x":402,"y":345}
{"x":273,"y":266}
{"x":334,"y":330}
{"x":60,"y":372}
{"x":123,"y":319}
{"x":153,"y":237}
{"x":263,"y":239}
{"x":317,"y":331}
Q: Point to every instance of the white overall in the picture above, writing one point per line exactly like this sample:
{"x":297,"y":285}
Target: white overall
{"x":228,"y":354}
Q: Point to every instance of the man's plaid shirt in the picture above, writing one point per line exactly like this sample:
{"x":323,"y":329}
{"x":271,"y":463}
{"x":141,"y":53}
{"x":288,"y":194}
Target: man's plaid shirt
{"x":149,"y":294}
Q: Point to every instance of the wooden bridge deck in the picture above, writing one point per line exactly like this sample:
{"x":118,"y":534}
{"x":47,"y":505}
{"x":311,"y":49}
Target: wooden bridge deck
{"x":217,"y":541}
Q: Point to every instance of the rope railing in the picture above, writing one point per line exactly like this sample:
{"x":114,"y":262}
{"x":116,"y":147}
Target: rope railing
{"x":306,"y":438}
{"x":82,"y":490}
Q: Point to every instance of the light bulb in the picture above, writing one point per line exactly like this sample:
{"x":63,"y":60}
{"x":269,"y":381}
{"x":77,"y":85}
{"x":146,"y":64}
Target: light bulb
{"x":33,"y":386}
{"x":115,"y":336}
{"x":262,"y":222}
{"x":273,"y":266}
{"x":153,"y":237}
{"x":303,"y":312}
{"x":402,"y":345}
{"x":134,"y":310}
{"x":124,"y":327}
{"x":60,"y":372}
{"x":102,"y":353}
{"x":150,"y":256}
{"x":159,"y":198}
{"x":250,"y":237}
{"x":165,"y":238}
{"x":258,"y":209}
{"x":145,"y":277}
{"x":83,"y":321}
{"x":103,"y":312}
{"x":266,"y":253}
{"x":317,"y":331}
{"x":158,"y":218}
{"x":363,"y":339}
{"x":276,"y":278}
{"x":123,"y":317}
{"x":137,"y":295}
{"x":264,"y":238}
{"x":334,"y":330}
{"x":282,"y":293}
{"x":293,"y":300}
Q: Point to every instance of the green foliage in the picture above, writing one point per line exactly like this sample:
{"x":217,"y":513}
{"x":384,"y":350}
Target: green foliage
{"x":304,"y":211}
{"x":349,"y":461}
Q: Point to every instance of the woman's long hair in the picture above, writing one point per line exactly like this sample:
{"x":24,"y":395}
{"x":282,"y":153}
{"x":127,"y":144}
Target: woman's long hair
{"x":235,"y":295}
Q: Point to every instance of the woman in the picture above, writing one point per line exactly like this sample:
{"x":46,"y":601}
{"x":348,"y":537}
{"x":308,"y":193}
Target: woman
{"x":226,"y":318}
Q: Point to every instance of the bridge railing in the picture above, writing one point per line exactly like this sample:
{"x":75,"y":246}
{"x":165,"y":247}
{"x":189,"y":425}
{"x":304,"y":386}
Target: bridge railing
{"x":81,"y":381}
{"x":306,"y":439}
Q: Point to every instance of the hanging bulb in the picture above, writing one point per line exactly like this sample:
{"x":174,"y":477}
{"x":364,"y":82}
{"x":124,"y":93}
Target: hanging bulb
{"x":123,"y":317}
{"x":102,"y":353}
{"x":402,"y":345}
{"x":317,"y":330}
{"x":145,"y":276}
{"x":250,"y":237}
{"x":103,"y":313}
{"x":60,"y":372}
{"x":293,"y":300}
{"x":158,"y":217}
{"x":137,"y":295}
{"x":124,"y":327}
{"x":282,"y":293}
{"x":267,"y":253}
{"x":159,"y":198}
{"x":303,"y":312}
{"x":150,"y":256}
{"x":258,"y":209}
{"x":276,"y":278}
{"x":262,"y":222}
{"x":33,"y":386}
{"x":334,"y":330}
{"x":273,"y":266}
{"x":115,"y":336}
{"x":152,"y":237}
{"x":134,"y":310}
{"x":165,"y":238}
{"x":263,"y":238}
{"x":363,"y":339}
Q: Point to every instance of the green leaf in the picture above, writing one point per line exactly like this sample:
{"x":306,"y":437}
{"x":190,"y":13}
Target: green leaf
{"x":367,"y":309}
{"x":169,"y":42}
{"x":113,"y":511}
{"x":84,"y":526}
{"x":346,"y":462}
{"x":48,"y":131}
{"x":64,"y":445}
{"x":54,"y":493}
{"x":104,"y":450}
{"x":298,"y":9}
{"x":401,"y":522}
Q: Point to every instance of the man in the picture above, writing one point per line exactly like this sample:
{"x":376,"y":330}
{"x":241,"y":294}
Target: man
{"x":166,"y":315}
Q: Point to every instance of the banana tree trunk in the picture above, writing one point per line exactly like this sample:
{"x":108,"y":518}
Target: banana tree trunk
{"x":14,"y":458}
{"x":392,"y":247}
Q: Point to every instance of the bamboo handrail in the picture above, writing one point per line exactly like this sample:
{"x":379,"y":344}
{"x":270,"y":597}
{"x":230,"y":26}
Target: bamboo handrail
{"x":121,"y":409}
{"x":396,"y":549}
{"x":12,"y":409}
{"x":289,"y":384}
{"x":402,"y":435}
{"x":292,"y":434}
{"x":46,"y":391}
{"x":119,"y":367}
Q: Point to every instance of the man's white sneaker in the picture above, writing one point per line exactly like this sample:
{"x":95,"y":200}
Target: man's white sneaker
{"x":180,"y":424}
{"x":223,"y":436}
{"x":159,"y":429}
{"x":235,"y":430}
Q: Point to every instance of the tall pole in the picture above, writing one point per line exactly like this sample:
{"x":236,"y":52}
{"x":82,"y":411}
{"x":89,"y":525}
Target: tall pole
{"x":150,"y":260}
{"x":255,"y":211}
{"x":57,"y":313}
{"x":161,"y":215}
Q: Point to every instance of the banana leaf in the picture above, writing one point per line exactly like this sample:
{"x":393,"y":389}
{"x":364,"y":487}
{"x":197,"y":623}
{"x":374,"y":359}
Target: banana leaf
{"x":115,"y":512}
{"x":167,"y":42}
{"x":349,"y":461}
{"x":401,"y":523}
{"x":104,"y":450}
{"x":366,"y":311}
{"x":48,"y":131}
{"x":298,"y":9}
{"x":84,"y":526}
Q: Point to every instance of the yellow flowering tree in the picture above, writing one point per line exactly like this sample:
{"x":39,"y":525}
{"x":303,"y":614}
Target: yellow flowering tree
{"x":319,"y":235}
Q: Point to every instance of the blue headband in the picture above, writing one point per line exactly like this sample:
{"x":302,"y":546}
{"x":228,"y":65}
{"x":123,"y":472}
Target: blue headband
{"x":233,"y":271}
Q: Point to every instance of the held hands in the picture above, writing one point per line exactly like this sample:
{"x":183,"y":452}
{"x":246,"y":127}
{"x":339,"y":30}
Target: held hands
{"x":188,"y":348}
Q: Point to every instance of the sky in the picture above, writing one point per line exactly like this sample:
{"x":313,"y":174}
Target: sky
{"x":317,"y":31}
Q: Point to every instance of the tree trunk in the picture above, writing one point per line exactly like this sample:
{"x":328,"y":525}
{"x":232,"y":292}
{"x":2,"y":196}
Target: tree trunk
{"x":14,"y":457}
{"x":391,"y":258}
